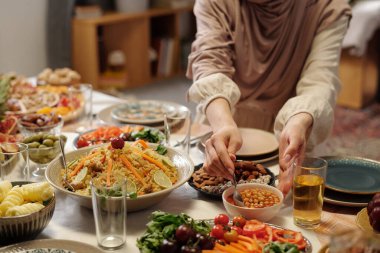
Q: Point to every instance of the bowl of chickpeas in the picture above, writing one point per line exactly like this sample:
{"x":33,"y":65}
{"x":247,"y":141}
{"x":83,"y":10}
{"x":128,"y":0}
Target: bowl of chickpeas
{"x":262,"y":202}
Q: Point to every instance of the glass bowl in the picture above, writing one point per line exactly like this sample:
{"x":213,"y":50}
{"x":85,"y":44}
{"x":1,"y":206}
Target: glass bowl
{"x":47,"y":124}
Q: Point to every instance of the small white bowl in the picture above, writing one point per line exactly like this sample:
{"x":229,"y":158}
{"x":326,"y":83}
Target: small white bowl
{"x":261,"y":214}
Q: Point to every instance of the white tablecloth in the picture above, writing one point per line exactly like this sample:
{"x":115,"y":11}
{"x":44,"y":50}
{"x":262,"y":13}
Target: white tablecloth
{"x":74,"y":222}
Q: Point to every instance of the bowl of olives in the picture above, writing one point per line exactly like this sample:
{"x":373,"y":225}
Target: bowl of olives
{"x":43,"y":148}
{"x":33,"y":124}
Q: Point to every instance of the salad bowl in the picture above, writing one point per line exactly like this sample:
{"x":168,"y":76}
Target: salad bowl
{"x":182,"y":162}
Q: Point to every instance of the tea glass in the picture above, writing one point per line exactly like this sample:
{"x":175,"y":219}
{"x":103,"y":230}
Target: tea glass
{"x":308,"y":188}
{"x":14,"y":162}
{"x":82,"y":94}
{"x":177,"y":126}
{"x":109,"y":205}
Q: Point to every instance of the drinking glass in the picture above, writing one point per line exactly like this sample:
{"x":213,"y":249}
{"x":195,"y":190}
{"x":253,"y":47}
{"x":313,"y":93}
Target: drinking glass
{"x":354,"y":241}
{"x":109,"y":205}
{"x":177,"y":126}
{"x":308,"y":188}
{"x":82,"y":94}
{"x":14,"y":162}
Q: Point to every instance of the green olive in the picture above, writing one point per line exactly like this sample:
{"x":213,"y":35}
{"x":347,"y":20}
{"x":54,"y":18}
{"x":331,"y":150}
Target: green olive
{"x":48,"y":142}
{"x":42,"y":146}
{"x":34,"y":144}
{"x":52,"y":137}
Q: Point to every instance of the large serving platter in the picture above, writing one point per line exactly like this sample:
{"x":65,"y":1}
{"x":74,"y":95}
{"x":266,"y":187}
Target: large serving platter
{"x":143,"y":111}
{"x":353,"y":175}
{"x":181,"y":161}
{"x":130,"y":128}
{"x":105,"y":116}
{"x":308,"y":248}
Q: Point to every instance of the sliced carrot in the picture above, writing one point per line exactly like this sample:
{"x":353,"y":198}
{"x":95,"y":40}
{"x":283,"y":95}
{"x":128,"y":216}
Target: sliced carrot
{"x":81,"y":163}
{"x":231,"y":249}
{"x":109,"y":168}
{"x":129,"y":165}
{"x":151,"y":160}
{"x":142,"y":143}
{"x":220,"y":247}
{"x":238,"y":246}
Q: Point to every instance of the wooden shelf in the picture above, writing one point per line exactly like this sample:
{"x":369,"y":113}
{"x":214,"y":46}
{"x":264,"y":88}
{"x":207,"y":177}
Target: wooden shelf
{"x":93,"y":39}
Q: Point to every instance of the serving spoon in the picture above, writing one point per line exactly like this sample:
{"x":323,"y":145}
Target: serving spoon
{"x":66,"y":182}
{"x":236,"y":196}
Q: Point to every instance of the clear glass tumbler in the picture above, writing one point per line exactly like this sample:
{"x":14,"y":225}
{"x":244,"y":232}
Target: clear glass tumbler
{"x":14,"y":162}
{"x":82,"y":95}
{"x":109,"y":205}
{"x":177,"y":127}
{"x":308,"y":189}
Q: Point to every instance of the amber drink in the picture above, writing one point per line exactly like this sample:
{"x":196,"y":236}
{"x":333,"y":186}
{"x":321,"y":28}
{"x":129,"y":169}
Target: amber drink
{"x":308,"y":188}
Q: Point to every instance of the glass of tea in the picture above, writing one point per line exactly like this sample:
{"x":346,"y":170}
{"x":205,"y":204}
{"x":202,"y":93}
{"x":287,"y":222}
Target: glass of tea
{"x":308,"y":188}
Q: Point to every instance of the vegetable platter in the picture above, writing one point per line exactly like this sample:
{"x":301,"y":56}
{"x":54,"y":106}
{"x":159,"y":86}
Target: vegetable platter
{"x":179,"y":233}
{"x":104,"y":134}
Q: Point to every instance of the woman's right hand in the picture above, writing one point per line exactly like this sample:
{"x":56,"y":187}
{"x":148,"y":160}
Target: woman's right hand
{"x":221,"y":149}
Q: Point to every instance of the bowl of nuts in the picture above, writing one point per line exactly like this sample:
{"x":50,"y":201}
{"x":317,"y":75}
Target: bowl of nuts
{"x":262,"y":202}
{"x":32,"y":124}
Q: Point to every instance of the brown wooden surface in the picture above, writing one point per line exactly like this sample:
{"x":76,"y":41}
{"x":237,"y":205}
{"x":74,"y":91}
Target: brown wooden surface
{"x":131,"y":33}
{"x":359,"y":76}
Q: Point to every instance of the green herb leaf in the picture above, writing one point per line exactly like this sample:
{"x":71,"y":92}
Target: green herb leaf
{"x":162,"y":150}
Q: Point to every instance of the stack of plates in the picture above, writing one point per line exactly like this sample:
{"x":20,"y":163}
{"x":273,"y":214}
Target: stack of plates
{"x":258,"y":145}
{"x":351,"y":181}
{"x":140,"y":112}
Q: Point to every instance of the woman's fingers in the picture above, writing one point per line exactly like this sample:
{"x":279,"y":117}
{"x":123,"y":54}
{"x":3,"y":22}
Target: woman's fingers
{"x":214,"y":161}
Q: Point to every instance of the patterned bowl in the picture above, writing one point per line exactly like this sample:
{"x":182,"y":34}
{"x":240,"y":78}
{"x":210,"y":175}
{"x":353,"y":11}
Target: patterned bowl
{"x":25,"y":227}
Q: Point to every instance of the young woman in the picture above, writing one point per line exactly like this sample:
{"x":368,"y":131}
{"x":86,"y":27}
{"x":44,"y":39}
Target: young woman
{"x":267,"y":64}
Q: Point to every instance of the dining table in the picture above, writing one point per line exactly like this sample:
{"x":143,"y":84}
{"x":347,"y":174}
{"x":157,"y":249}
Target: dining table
{"x":72,"y":221}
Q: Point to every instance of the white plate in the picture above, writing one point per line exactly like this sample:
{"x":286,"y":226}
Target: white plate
{"x":256,"y":142}
{"x":45,"y":245}
{"x":142,"y":111}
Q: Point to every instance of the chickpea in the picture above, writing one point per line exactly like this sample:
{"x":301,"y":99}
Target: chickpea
{"x":259,"y":198}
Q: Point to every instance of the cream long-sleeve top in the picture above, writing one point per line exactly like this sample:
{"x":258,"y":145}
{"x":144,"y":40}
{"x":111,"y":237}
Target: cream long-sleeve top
{"x":316,"y":89}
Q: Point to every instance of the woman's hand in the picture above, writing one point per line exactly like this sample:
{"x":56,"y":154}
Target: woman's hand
{"x":224,"y":143}
{"x":220,"y":151}
{"x":292,"y":147}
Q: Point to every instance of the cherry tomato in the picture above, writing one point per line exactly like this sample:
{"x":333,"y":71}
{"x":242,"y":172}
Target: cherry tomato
{"x":231,"y":236}
{"x":217,"y":231}
{"x":221,"y":219}
{"x":82,"y":143}
{"x":254,"y":227}
{"x":239,"y":230}
{"x":239,"y":221}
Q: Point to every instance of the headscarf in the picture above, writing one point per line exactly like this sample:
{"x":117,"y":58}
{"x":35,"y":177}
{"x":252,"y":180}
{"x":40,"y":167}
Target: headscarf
{"x":269,"y":42}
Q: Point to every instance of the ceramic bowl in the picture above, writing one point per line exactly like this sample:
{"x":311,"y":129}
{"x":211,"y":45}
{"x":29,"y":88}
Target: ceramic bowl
{"x":25,"y":227}
{"x":182,"y":162}
{"x":262,"y":214}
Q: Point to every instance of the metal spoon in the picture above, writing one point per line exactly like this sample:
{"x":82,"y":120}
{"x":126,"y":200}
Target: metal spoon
{"x":65,"y":181}
{"x":236,"y":195}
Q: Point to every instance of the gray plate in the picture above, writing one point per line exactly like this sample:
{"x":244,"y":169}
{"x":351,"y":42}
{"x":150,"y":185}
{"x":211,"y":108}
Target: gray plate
{"x":353,"y":175}
{"x":65,"y":246}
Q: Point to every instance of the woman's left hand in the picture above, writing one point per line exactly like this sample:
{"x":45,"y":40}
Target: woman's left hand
{"x":292,"y":147}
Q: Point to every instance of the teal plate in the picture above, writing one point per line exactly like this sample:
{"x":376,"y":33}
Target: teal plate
{"x":352,"y":175}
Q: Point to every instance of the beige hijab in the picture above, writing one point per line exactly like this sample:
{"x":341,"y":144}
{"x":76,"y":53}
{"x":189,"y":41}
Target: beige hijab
{"x":269,"y":40}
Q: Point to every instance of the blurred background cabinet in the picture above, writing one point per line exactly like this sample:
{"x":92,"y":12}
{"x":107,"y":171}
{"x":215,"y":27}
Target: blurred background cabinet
{"x":152,"y":41}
